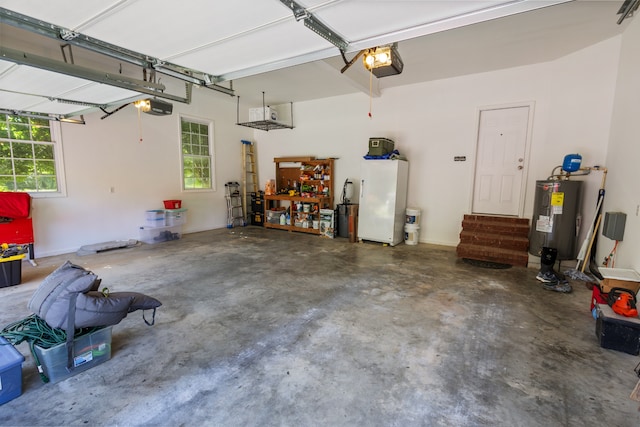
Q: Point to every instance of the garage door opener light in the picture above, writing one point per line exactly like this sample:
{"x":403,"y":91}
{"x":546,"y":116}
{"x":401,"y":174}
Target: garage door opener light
{"x":383,"y":61}
{"x":143,"y":105}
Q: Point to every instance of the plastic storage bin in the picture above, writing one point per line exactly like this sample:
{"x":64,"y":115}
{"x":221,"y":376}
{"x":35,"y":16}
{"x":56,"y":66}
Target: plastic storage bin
{"x":153,"y":235}
{"x":10,"y":371}
{"x":273,"y":216}
{"x":175,"y":217}
{"x":155,"y":218}
{"x":89,"y":350}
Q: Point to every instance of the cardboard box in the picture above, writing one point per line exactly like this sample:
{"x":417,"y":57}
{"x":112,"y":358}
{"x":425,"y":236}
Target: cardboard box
{"x":10,"y":371}
{"x":616,"y":332}
{"x":260,"y":114}
{"x":89,"y":350}
{"x":619,"y":278}
{"x":327,"y":223}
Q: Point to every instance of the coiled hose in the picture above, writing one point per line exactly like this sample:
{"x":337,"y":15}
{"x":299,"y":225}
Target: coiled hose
{"x":36,"y":331}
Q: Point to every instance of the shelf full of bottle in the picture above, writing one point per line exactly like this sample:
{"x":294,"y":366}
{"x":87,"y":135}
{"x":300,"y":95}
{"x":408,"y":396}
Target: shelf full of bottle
{"x":299,"y":214}
{"x":315,"y":180}
{"x":311,"y":178}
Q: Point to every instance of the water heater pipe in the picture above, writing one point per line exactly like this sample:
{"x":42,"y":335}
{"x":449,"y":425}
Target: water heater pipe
{"x":585,"y":171}
{"x":604,"y":174}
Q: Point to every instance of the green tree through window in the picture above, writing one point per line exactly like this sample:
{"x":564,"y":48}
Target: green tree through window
{"x":197,"y":151}
{"x":27,"y":155}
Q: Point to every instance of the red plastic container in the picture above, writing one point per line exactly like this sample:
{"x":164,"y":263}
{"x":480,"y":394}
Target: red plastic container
{"x":172,"y":204}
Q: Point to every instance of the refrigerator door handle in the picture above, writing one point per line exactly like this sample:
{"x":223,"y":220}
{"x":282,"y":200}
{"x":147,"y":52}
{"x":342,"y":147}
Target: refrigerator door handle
{"x":361,"y":188}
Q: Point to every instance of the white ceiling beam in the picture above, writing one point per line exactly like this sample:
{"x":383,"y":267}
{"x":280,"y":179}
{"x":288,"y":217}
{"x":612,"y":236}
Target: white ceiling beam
{"x":360,"y":80}
{"x":276,"y":65}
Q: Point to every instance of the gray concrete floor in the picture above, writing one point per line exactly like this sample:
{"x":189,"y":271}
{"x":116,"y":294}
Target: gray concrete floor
{"x":265,"y":327}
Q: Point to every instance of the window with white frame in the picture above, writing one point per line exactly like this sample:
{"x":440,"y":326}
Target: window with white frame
{"x":197,"y":154}
{"x":30,"y":159}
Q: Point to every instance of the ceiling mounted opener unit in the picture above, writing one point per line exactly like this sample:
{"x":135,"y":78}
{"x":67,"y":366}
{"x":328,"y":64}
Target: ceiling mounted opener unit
{"x":383,"y":61}
{"x":154,"y":106}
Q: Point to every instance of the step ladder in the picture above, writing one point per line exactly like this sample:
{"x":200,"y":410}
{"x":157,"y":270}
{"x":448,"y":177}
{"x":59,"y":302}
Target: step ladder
{"x":249,"y":176}
{"x":234,"y":205}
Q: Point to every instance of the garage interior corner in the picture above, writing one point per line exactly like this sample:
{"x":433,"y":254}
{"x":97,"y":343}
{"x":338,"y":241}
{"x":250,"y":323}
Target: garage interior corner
{"x":263,"y":327}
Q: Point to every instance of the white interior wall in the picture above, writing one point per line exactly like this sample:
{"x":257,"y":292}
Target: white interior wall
{"x":107,"y":153}
{"x":435,"y":121}
{"x":430,"y":122}
{"x":624,"y":151}
{"x":581,"y":89}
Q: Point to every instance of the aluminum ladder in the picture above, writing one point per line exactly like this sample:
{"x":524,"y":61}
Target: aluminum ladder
{"x":234,"y":205}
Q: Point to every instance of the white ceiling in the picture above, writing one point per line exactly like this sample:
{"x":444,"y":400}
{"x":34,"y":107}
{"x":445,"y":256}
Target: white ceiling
{"x":259,"y":45}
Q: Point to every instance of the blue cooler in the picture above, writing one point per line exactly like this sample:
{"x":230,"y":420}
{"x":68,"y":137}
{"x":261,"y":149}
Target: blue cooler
{"x":10,"y":371}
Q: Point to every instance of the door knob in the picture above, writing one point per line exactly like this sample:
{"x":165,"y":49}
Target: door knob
{"x":520,"y":167}
{"x":521,"y":160}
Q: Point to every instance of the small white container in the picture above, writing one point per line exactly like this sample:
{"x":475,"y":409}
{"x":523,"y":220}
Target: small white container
{"x":413,"y":216}
{"x":411,"y":234}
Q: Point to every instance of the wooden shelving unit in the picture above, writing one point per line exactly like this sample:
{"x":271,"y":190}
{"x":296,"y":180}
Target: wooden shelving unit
{"x":313,"y":179}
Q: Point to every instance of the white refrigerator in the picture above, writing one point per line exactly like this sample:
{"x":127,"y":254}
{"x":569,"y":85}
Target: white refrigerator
{"x":383,"y":200}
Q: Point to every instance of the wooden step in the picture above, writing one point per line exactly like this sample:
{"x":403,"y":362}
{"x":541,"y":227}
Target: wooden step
{"x":503,"y":240}
{"x":497,"y":240}
{"x":502,"y":219}
{"x":496,"y":225}
{"x":493,"y":254}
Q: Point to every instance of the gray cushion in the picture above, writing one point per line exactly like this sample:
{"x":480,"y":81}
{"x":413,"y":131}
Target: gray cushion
{"x":95,"y":309}
{"x":51,"y":300}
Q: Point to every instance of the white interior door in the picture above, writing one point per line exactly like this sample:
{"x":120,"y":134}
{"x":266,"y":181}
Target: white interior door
{"x":500,"y":160}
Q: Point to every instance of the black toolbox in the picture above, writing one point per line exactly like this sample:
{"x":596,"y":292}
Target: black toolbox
{"x":616,"y":332}
{"x":257,"y":202}
{"x":257,"y":218}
